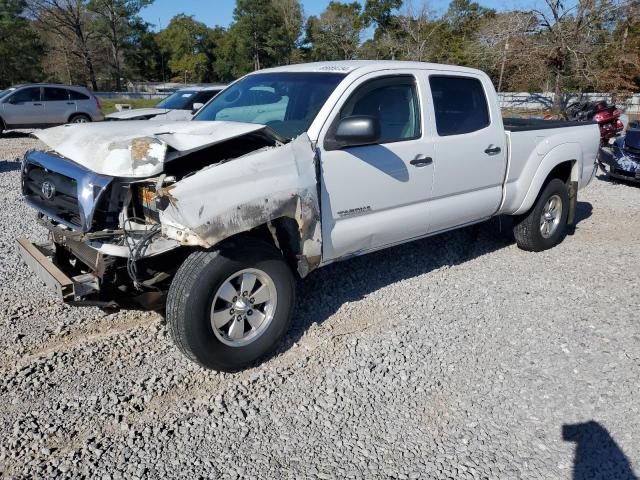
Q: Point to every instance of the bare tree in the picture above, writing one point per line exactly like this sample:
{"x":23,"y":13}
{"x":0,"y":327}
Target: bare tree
{"x":566,"y":35}
{"x":69,"y":19}
{"x":506,"y":33}
{"x":418,"y":26}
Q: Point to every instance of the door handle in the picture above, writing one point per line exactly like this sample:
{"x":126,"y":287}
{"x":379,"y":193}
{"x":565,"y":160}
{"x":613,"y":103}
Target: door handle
{"x":492,"y":150}
{"x":421,"y":161}
{"x":71,"y":103}
{"x":37,"y":104}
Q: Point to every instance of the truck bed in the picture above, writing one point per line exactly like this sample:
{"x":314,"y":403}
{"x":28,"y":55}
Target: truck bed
{"x":527,"y":124}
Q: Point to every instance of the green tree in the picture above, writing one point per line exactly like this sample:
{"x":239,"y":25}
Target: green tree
{"x":188,"y":46}
{"x":21,"y":51}
{"x":335,"y":34}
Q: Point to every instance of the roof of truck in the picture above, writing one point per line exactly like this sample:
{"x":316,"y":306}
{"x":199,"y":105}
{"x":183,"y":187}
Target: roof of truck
{"x":348,"y":66}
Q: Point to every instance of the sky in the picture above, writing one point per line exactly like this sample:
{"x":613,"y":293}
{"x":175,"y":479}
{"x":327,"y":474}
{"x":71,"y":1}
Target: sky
{"x":220,"y":12}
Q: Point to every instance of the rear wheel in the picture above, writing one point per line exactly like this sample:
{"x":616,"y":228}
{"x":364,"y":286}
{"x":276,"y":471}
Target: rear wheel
{"x":80,"y":118}
{"x":545,"y":225}
{"x":230,"y":307}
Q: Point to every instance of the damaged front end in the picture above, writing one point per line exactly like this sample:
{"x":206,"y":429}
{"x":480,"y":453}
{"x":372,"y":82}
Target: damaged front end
{"x":122,"y":220}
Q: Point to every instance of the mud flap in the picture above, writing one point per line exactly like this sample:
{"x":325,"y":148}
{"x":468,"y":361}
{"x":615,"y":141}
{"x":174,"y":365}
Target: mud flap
{"x":573,"y":202}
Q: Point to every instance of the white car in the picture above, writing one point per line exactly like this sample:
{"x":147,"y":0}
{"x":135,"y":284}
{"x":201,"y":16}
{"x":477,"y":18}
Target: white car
{"x":289,"y":170}
{"x":180,"y":105}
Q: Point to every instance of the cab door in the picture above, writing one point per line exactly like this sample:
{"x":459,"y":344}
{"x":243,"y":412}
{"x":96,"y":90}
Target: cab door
{"x":24,"y":107}
{"x":375,"y":195}
{"x":470,"y":158}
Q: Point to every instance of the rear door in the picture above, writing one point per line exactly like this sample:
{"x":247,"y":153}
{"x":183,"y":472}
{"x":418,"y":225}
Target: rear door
{"x":24,"y":108}
{"x":57,"y":105}
{"x":470,"y":158}
{"x":376,"y":195}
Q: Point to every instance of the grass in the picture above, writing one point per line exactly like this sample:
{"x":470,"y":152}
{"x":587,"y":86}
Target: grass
{"x":109,"y":106}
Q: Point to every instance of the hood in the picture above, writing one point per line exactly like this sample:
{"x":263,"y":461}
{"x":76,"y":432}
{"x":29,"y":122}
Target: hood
{"x":137,"y":113}
{"x":139,"y":148}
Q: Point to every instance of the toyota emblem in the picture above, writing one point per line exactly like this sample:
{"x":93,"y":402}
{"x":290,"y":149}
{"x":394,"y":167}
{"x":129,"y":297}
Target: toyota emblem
{"x":48,"y":190}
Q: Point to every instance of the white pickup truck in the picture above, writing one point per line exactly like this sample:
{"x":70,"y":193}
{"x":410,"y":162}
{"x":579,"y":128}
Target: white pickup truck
{"x":287,"y":170}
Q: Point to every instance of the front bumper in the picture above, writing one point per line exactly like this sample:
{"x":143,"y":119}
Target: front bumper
{"x":40,"y":257}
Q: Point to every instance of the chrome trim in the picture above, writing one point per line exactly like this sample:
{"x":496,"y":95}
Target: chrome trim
{"x":85,"y":179}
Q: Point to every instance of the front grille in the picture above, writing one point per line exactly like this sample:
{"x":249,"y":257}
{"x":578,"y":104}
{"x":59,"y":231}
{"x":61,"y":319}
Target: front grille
{"x":62,"y":192}
{"x":62,"y":189}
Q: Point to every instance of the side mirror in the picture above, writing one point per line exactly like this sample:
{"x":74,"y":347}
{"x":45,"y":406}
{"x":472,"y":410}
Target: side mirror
{"x":356,"y":130}
{"x":196,"y":107}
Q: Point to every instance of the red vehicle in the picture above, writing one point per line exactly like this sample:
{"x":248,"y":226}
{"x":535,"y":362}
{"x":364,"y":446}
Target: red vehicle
{"x":607,"y":116}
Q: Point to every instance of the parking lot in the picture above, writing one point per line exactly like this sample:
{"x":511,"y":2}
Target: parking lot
{"x":458,"y":356}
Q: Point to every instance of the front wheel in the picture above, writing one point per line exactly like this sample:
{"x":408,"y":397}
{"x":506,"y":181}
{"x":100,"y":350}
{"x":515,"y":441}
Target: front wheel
{"x":229,"y":307}
{"x":545,"y":225}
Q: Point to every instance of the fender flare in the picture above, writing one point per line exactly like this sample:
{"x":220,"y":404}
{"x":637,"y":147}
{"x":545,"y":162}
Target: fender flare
{"x":567,"y":152}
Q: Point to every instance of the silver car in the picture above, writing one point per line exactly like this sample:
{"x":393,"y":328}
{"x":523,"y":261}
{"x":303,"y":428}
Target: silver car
{"x":45,"y":105}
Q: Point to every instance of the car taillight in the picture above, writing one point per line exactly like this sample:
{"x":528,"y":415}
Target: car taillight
{"x":98,"y":104}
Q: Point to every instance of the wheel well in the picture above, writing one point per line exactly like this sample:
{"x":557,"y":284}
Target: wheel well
{"x":562,"y":171}
{"x":282,"y":233}
{"x":2,"y":124}
{"x":77,"y":114}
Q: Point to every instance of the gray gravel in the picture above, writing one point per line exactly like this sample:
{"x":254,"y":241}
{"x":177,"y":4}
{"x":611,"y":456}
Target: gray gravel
{"x":459,"y":356}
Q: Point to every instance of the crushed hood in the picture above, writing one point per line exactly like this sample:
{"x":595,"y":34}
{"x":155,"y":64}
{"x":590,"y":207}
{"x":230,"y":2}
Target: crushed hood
{"x":138,"y":148}
{"x":137,"y":113}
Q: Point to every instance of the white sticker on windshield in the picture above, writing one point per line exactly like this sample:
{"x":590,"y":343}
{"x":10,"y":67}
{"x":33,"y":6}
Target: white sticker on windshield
{"x":186,"y":95}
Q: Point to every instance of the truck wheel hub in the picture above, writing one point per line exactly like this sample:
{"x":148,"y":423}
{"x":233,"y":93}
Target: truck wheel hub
{"x":551,"y":215}
{"x":243,"y":307}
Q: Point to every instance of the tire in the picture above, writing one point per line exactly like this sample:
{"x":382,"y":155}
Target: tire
{"x":80,"y":118}
{"x":529,"y":231}
{"x":198,"y":289}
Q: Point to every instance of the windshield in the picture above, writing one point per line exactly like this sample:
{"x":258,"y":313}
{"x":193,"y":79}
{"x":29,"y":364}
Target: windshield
{"x":5,"y":92}
{"x":181,"y":100}
{"x":286,"y":102}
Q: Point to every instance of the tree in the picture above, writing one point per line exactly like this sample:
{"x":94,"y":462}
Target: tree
{"x":566,"y":36}
{"x":114,"y":23}
{"x":335,"y":35}
{"x":69,"y":19}
{"x":20,"y":48}
{"x":187,"y":44}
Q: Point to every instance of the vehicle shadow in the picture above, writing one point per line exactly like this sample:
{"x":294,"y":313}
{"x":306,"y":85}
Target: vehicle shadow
{"x":597,"y":455}
{"x":621,"y":181}
{"x":9,"y":166}
{"x":322,"y":293}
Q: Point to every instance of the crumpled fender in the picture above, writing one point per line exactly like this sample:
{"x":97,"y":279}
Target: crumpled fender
{"x":236,"y":196}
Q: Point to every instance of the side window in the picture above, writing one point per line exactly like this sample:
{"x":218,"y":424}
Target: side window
{"x":204,"y":97}
{"x":74,"y":95}
{"x":55,"y":94}
{"x":460,"y":105}
{"x":31,"y":94}
{"x":394,"y":101}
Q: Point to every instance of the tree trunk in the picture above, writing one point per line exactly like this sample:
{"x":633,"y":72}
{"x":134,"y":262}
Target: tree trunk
{"x":556,"y":93}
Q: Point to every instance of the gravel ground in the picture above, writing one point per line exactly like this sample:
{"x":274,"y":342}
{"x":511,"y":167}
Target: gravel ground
{"x":459,"y":356}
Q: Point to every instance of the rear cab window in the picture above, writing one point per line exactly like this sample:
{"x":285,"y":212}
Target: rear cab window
{"x":460,"y":104}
